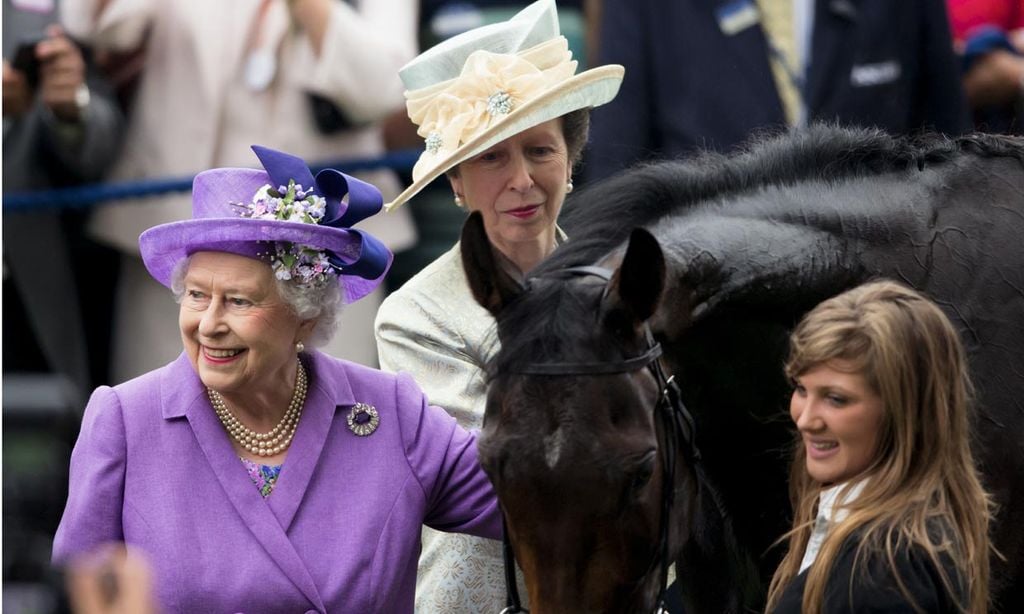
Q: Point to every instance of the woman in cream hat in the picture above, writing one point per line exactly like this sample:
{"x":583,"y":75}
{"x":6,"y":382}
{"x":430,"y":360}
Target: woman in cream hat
{"x":256,"y":473}
{"x":505,"y":116}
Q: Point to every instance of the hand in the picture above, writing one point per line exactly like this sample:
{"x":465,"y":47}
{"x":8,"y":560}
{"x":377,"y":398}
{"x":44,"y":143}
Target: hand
{"x":995,"y":79}
{"x":16,"y":91}
{"x":312,"y":16}
{"x":113,"y":580}
{"x":1017,"y":39}
{"x":61,"y":74}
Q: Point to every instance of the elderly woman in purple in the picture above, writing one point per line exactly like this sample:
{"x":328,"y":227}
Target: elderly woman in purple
{"x":256,"y":474}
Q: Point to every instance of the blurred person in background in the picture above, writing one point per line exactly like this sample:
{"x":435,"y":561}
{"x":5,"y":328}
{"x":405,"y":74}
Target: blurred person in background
{"x":111,"y":580}
{"x":707,"y":74}
{"x":61,"y":127}
{"x":504,"y":116}
{"x":255,"y":473}
{"x":989,"y":36}
{"x":308,"y":76}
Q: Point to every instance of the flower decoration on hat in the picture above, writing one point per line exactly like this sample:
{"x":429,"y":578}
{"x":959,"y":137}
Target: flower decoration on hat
{"x":306,"y":265}
{"x":490,"y":87}
{"x":301,"y":198}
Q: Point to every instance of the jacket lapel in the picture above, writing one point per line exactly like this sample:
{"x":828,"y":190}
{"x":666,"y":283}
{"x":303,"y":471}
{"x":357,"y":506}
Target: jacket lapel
{"x":328,"y":389}
{"x":835,"y":21}
{"x":747,"y":43}
{"x":243,"y":495}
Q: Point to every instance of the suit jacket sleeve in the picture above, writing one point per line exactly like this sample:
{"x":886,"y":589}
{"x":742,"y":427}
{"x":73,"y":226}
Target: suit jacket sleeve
{"x":93,"y":512}
{"x":363,"y":49}
{"x":443,"y":457}
{"x":941,"y":98}
{"x":622,"y":130}
{"x":102,"y":127}
{"x":121,"y":25}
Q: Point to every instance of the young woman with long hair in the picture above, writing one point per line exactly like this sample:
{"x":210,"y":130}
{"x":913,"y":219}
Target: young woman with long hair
{"x":889,"y":512}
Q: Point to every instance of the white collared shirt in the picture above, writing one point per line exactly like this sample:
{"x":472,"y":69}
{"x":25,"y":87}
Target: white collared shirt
{"x":831,"y":511}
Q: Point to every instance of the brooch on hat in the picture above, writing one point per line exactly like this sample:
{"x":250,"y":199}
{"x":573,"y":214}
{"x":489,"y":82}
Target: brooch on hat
{"x":363,"y":419}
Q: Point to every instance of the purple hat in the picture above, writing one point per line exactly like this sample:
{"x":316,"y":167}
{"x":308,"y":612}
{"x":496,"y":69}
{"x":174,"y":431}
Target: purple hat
{"x":297,"y":224}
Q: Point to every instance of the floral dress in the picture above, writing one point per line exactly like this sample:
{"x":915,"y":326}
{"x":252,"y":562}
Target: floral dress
{"x":263,"y":476}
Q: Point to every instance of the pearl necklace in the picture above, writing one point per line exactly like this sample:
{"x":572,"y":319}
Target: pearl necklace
{"x":274,"y":441}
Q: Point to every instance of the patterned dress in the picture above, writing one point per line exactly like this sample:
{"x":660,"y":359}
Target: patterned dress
{"x":263,"y":476}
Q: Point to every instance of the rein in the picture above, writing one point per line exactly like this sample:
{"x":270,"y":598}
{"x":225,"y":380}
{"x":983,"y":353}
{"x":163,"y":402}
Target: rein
{"x":678,"y":428}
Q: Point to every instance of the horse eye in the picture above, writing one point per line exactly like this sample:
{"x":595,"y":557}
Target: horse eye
{"x":642,"y":474}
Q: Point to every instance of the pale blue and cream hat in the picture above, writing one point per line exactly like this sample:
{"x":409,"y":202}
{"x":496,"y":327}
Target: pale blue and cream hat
{"x":481,"y":87}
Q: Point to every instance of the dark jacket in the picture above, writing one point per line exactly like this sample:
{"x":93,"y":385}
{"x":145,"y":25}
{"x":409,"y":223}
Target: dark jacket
{"x":874,"y":588}
{"x":690,"y":85}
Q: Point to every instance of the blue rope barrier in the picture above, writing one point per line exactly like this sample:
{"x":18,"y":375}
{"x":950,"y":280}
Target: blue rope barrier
{"x":80,"y":197}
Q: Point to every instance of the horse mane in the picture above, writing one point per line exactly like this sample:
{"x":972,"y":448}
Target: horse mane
{"x":600,"y":216}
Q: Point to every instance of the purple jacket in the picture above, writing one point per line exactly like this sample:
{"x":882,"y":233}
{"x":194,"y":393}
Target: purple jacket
{"x":340,"y":532}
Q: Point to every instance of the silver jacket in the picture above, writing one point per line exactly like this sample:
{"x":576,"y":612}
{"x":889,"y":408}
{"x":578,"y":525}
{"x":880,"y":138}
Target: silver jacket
{"x":434,"y":329}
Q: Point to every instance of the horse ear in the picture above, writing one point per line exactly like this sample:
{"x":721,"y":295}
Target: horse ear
{"x":640,"y":279}
{"x":492,"y":287}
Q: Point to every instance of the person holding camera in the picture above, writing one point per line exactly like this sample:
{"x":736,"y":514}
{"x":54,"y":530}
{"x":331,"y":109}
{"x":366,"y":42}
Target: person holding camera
{"x":61,"y":127}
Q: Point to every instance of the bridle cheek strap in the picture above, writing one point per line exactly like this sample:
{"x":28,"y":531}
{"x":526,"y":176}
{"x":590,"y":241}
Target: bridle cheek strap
{"x":512,"y":603}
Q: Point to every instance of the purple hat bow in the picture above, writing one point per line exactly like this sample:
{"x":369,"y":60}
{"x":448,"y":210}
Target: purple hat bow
{"x":364,"y":200}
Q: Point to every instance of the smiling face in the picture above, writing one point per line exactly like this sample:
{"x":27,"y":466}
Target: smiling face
{"x":839,"y":418}
{"x":518,"y":186}
{"x":238,"y":333}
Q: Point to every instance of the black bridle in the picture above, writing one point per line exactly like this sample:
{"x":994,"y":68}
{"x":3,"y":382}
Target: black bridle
{"x":677,"y":424}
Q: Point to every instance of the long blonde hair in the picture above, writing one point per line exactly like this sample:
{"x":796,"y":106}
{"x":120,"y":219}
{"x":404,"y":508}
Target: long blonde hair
{"x":924,"y":488}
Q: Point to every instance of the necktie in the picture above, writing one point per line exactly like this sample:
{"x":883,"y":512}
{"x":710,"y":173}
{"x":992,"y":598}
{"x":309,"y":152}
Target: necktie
{"x":777,"y":22}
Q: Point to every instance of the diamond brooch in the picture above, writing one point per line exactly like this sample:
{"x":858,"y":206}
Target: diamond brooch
{"x":433,"y":142}
{"x":499,"y":103}
{"x":363,"y":419}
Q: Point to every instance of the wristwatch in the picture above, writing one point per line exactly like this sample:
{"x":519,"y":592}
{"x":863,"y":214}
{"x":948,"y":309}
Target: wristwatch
{"x":71,"y":131}
{"x":82,"y":97}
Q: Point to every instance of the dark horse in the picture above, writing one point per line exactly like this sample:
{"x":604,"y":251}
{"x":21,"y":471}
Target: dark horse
{"x":720,"y":257}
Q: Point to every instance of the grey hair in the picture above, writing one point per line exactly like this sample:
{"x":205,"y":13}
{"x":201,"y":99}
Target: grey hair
{"x":322,"y":304}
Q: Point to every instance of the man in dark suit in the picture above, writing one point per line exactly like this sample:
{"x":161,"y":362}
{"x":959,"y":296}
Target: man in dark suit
{"x":706,"y":74}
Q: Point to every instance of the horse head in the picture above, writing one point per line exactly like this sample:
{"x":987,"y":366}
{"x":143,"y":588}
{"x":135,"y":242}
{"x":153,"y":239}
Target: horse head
{"x":575,"y":438}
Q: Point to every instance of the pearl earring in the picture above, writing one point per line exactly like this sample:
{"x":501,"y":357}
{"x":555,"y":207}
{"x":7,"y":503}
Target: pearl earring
{"x":458,"y":200}
{"x":568,"y":187}
{"x":299,"y":347}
